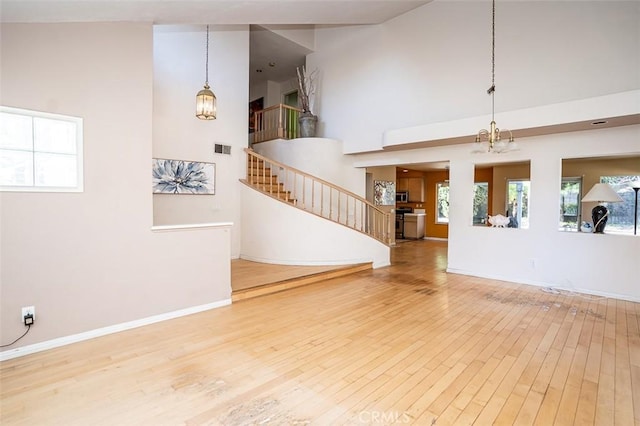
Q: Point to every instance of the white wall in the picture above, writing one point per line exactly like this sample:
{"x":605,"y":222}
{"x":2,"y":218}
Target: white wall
{"x":179,"y":73}
{"x":90,"y":260}
{"x":282,"y":234}
{"x":304,"y":153}
{"x":272,"y":91}
{"x":433,"y":64}
{"x":540,"y":255}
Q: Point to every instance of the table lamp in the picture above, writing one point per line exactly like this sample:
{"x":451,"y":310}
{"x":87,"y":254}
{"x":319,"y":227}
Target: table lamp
{"x":600,"y":193}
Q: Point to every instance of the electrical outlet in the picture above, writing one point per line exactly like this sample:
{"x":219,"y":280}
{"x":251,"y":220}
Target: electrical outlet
{"x":28,"y":310}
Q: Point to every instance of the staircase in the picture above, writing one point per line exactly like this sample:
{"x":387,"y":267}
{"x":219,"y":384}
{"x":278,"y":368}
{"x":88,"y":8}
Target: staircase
{"x":316,"y":196}
{"x":262,"y":178}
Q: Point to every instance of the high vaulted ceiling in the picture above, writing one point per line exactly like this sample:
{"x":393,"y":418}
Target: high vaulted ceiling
{"x":339,"y":12}
{"x":272,"y":57}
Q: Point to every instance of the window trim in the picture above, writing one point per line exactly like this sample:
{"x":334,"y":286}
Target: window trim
{"x":579,"y":181}
{"x":610,"y":226}
{"x":437,"y":217}
{"x":507,"y":206}
{"x":473,"y":217}
{"x":79,"y":187}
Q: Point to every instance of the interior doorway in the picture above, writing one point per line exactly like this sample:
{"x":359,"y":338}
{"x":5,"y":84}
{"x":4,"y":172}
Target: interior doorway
{"x":291,"y":99}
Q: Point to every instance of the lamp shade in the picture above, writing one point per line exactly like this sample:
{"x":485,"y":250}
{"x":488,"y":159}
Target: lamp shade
{"x":601,"y":193}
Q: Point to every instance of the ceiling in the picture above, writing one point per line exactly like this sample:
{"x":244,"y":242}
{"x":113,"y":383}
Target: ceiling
{"x":266,"y":47}
{"x":317,"y":12}
{"x":272,"y":57}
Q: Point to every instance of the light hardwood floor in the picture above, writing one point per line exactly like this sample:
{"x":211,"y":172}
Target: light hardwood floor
{"x":407,"y":344}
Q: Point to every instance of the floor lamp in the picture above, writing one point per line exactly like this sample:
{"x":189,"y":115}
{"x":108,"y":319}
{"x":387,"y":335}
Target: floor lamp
{"x":636,"y":186}
{"x":600,"y":193}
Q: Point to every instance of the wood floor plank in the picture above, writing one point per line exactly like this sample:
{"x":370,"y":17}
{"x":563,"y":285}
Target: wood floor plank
{"x":585,"y":414}
{"x":624,"y":410}
{"x":406,"y":344}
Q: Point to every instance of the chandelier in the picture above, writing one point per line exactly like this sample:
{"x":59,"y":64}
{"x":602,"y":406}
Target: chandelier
{"x":491,"y":140}
{"x":205,"y":99}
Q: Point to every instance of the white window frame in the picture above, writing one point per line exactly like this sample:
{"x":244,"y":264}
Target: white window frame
{"x":576,"y":180}
{"x":79,"y":187}
{"x":522,"y":224}
{"x":610,"y":229}
{"x":438,"y":220}
{"x":483,"y":221}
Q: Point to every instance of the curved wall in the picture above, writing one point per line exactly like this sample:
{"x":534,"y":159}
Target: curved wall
{"x":273,"y":232}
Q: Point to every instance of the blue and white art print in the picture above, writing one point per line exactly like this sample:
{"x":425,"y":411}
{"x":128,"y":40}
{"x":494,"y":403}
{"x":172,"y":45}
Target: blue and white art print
{"x":183,"y":177}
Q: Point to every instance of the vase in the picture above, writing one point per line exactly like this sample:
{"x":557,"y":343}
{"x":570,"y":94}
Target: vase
{"x":599,"y":214}
{"x":586,"y":227}
{"x":307,"y":125}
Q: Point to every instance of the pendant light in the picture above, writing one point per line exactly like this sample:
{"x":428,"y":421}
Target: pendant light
{"x":205,"y":99}
{"x":491,"y":140}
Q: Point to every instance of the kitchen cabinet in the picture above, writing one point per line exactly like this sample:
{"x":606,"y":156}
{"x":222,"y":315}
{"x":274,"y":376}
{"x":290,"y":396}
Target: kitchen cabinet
{"x":414,"y":225}
{"x":415,"y":186}
{"x":402,"y":185}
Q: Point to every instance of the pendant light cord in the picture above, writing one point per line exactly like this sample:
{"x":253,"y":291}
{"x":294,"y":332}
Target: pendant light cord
{"x":206,"y":66}
{"x":492,"y":89}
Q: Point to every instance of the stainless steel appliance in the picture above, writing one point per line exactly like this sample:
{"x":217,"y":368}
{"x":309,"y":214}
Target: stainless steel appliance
{"x":402,"y":197}
{"x":400,"y":221}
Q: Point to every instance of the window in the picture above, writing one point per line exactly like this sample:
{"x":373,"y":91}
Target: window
{"x":442,"y":202}
{"x":621,"y":214}
{"x":518,"y":203}
{"x":570,"y":205}
{"x":480,"y":203}
{"x":40,"y":151}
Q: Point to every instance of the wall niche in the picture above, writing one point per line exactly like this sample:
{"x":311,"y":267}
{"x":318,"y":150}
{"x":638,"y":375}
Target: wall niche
{"x":579,"y":175}
{"x":502,"y":189}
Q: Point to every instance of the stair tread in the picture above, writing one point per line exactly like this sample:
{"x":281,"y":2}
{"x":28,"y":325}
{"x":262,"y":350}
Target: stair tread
{"x":291,"y":283}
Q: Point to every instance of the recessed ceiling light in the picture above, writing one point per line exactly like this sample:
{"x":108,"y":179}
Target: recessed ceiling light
{"x":272,"y":64}
{"x":597,"y":123}
{"x":405,"y":171}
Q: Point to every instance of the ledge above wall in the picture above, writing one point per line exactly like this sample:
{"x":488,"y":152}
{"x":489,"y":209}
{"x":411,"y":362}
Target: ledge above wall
{"x":619,"y":109}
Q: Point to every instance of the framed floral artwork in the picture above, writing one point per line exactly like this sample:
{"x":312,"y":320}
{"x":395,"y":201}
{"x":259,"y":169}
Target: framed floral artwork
{"x":183,"y":177}
{"x":384,"y":193}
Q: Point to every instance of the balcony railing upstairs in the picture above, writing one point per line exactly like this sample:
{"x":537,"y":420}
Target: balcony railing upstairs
{"x":275,"y":122}
{"x":318,"y":197}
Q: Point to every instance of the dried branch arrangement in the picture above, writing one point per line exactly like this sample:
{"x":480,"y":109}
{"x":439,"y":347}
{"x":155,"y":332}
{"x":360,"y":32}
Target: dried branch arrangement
{"x":307,"y":88}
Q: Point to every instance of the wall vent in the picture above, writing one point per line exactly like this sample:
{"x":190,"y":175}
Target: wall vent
{"x":222,"y":149}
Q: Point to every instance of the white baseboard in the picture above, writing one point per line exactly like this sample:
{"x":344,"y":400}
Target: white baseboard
{"x":67,"y":340}
{"x":545,"y":284}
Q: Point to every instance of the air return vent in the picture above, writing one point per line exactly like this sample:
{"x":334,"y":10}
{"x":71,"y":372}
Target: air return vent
{"x":222,"y":149}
